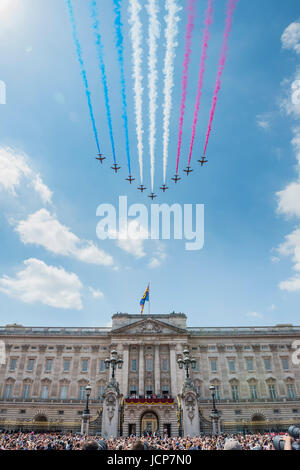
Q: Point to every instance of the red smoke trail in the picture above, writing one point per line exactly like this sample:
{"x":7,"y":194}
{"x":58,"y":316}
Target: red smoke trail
{"x":230,"y":10}
{"x":207,"y":22}
{"x":186,"y":61}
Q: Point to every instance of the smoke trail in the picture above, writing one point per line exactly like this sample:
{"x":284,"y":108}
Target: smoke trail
{"x":230,"y":11}
{"x":186,"y":61}
{"x":136,"y":39}
{"x":170,"y":36}
{"x":99,"y":45}
{"x":83,"y":71}
{"x":153,"y":35}
{"x":207,"y":22}
{"x":120,"y":48}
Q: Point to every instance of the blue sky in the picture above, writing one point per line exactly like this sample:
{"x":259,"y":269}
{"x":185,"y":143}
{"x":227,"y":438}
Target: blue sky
{"x":50,"y":184}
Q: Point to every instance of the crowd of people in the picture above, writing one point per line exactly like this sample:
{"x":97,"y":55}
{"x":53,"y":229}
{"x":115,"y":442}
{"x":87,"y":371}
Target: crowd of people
{"x":56,"y":441}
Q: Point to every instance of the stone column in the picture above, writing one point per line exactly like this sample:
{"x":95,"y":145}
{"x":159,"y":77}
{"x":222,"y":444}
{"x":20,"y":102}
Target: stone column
{"x":141,"y":371}
{"x":124,"y":389}
{"x":173,"y":371}
{"x":85,"y":423}
{"x":157,"y":370}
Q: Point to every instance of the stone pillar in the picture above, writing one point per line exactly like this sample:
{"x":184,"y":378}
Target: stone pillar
{"x":216,"y":425}
{"x":190,"y":413}
{"x":111,"y":410}
{"x":173,"y":371}
{"x":141,"y":371}
{"x":85,"y":423}
{"x":157,"y":370}
{"x":125,"y":369}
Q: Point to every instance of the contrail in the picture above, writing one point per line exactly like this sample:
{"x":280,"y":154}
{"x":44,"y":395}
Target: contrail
{"x":170,"y":35}
{"x":186,"y":61}
{"x":230,"y":10}
{"x":83,"y":71}
{"x":207,"y":22}
{"x":136,"y":39}
{"x":120,"y":48}
{"x":94,"y":15}
{"x":153,"y":35}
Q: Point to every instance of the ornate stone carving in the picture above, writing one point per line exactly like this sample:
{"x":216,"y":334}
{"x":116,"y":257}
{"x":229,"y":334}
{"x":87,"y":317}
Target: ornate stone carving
{"x":188,"y":386}
{"x":95,"y":348}
{"x":148,"y":327}
{"x":110,"y":403}
{"x":25,"y":347}
{"x":113,"y":385}
{"x":42,"y":348}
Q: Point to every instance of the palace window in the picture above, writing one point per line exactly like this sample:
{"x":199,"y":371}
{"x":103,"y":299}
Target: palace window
{"x":217,"y":392}
{"x":30,"y":364}
{"x":8,"y":391}
{"x":165,"y":365}
{"x":231,"y":365}
{"x":84,"y":365}
{"x":67,"y":364}
{"x":249,"y":364}
{"x":253,"y":392}
{"x":48,"y":367}
{"x":63,"y":394}
{"x":213,"y":365}
{"x":45,"y":392}
{"x":26,"y":391}
{"x":82,"y":392}
{"x":272,"y":391}
{"x":102,"y":365}
{"x":291,"y":391}
{"x":267,"y":363}
{"x":235,"y":392}
{"x":149,"y":365}
{"x":285,"y":363}
{"x":100,"y":391}
{"x":13,"y":363}
{"x":165,"y":390}
{"x":133,"y":365}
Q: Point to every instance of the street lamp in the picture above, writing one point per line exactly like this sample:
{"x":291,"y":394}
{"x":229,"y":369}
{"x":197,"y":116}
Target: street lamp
{"x":212,"y":388}
{"x":187,"y":362}
{"x":113,"y":362}
{"x":88,"y":390}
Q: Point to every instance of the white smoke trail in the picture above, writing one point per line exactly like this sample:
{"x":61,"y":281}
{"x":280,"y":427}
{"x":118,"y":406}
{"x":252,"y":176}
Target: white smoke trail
{"x":136,"y":39}
{"x":153,"y":35}
{"x":170,"y":34}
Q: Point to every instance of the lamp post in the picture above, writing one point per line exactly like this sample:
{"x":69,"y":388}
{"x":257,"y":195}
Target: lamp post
{"x":187,"y":362}
{"x":215,"y":415}
{"x":113,"y":362}
{"x":86,"y":413}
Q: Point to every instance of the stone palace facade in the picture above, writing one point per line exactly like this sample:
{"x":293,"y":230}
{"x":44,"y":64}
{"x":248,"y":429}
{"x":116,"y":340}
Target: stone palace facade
{"x":46,"y":370}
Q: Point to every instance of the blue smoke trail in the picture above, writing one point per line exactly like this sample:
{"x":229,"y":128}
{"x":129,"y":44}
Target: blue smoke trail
{"x":120,"y":47}
{"x":82,"y":71}
{"x":99,"y":45}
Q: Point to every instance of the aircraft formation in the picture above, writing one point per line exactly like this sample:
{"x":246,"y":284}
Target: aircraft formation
{"x":169,"y":15}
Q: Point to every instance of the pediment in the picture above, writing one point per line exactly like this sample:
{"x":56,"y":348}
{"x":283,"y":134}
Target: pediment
{"x":149,"y":327}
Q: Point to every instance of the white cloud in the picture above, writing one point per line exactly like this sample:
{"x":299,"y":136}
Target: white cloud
{"x":289,"y":197}
{"x":42,"y":189}
{"x":43,"y":229}
{"x":291,"y":285}
{"x":133,"y":240}
{"x":289,"y":200}
{"x":40,"y":283}
{"x":291,"y":37}
{"x":263,"y":121}
{"x":275,"y":259}
{"x":291,"y":104}
{"x":96,"y":293}
{"x":291,"y":247}
{"x":159,"y":256}
{"x":15,"y":169}
{"x":254,"y":315}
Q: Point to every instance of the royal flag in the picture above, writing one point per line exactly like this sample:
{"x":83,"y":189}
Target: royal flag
{"x":145,"y":298}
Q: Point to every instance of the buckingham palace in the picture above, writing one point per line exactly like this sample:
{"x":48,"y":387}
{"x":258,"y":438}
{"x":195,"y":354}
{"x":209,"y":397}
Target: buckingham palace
{"x":149,"y":373}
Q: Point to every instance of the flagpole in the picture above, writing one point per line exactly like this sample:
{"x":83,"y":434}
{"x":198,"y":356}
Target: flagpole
{"x":149,"y":301}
